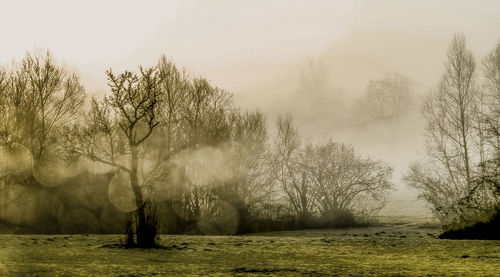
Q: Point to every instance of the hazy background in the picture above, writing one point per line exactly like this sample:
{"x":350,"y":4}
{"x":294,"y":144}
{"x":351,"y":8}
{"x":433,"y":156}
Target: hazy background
{"x":259,"y":50}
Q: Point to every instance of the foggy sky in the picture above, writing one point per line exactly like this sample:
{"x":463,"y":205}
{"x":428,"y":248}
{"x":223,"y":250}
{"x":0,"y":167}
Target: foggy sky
{"x":256,"y":49}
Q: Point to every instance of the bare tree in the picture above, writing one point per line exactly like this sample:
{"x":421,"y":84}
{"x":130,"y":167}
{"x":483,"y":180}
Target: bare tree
{"x":491,"y":70}
{"x":230,"y":180}
{"x":5,"y":128}
{"x":386,"y":98}
{"x":339,"y":177}
{"x":176,"y":87}
{"x":318,"y":99}
{"x":203,"y":128}
{"x":39,"y":97}
{"x":204,"y":114}
{"x":251,"y":182}
{"x":168,"y":138}
{"x":287,"y":169}
{"x":452,"y":150}
{"x":249,"y":151}
{"x":316,"y":82}
{"x":490,"y":114}
{"x":115,"y":132}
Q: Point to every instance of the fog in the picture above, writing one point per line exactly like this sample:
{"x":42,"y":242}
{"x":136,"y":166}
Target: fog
{"x":263,"y":51}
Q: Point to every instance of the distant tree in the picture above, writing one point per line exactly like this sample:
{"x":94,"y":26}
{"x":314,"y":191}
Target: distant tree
{"x":386,"y":98}
{"x":340,"y":179}
{"x":316,"y":81}
{"x":318,"y":98}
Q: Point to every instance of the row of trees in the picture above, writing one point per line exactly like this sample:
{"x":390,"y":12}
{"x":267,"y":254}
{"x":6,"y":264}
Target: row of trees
{"x":168,"y":150}
{"x":460,"y":174}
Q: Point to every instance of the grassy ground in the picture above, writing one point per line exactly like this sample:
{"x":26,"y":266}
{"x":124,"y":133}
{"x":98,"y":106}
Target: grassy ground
{"x":399,"y":248}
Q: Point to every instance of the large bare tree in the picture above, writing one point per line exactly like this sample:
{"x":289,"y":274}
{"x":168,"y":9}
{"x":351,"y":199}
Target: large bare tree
{"x":451,"y":112}
{"x":115,"y":131}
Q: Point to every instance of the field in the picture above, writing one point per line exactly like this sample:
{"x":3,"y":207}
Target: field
{"x":398,"y":248}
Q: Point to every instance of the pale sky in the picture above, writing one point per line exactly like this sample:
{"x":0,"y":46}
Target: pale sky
{"x":256,"y":49}
{"x":235,"y":43}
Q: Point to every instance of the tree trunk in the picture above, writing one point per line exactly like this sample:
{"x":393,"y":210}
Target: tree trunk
{"x":145,"y":231}
{"x":465,"y":147}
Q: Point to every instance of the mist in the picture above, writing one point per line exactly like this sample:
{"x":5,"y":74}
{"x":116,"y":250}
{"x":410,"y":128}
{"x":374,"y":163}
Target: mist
{"x":260,"y":50}
{"x":287,"y":137}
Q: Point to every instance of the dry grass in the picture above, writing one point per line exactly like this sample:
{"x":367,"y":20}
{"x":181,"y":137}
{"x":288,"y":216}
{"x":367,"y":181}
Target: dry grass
{"x":403,"y":249}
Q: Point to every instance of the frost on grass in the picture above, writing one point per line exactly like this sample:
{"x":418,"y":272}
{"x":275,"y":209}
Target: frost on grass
{"x":390,"y":249}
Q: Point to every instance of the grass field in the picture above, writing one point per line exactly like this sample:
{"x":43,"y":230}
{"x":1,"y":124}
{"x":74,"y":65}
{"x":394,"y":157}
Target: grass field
{"x":399,"y":248}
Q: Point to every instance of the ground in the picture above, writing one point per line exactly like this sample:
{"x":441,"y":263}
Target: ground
{"x":398,"y":248}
